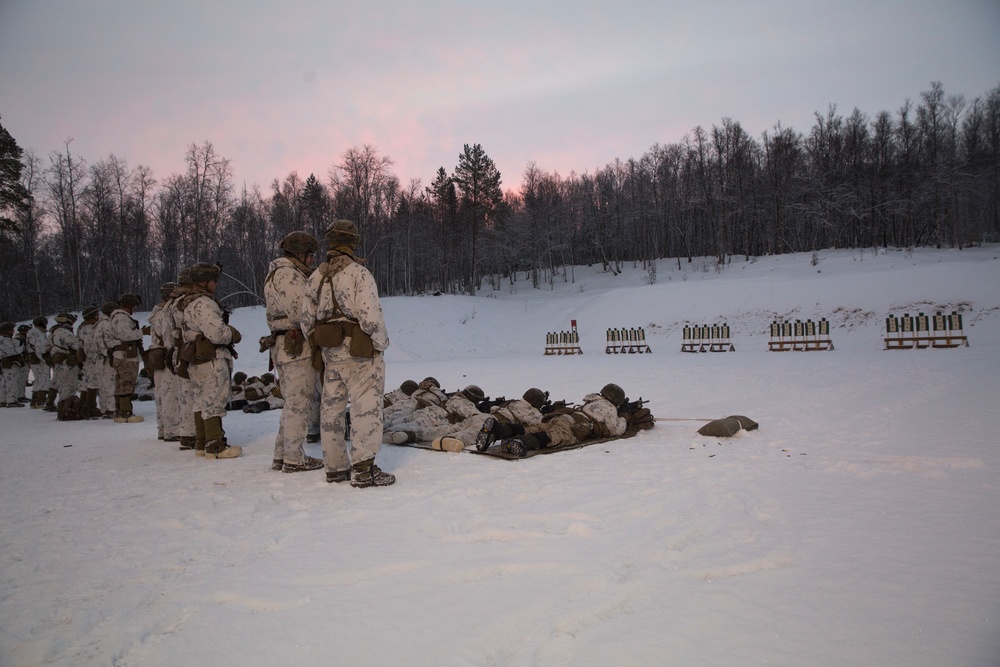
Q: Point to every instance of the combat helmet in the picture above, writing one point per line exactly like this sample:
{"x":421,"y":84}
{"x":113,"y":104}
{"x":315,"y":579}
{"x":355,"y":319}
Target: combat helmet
{"x":299,"y":243}
{"x":203,"y":272}
{"x":341,"y":233}
{"x":536,"y":397}
{"x":474,"y":393}
{"x":613,"y":393}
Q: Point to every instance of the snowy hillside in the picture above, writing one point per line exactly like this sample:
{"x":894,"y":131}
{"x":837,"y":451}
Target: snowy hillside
{"x":860,"y":525}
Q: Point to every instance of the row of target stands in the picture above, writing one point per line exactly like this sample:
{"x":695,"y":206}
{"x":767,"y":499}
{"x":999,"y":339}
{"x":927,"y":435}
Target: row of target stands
{"x":620,"y":341}
{"x":902,"y":333}
{"x":707,"y":338}
{"x":799,"y":336}
{"x":915,"y":332}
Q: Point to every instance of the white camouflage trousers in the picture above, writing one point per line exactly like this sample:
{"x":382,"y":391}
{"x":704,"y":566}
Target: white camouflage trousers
{"x":65,"y":379}
{"x":106,"y":384}
{"x":298,"y":386}
{"x":362,"y":382}
{"x":9,"y":391}
{"x":185,"y":412}
{"x":168,"y":414}
{"x":42,"y":376}
{"x":210,"y":386}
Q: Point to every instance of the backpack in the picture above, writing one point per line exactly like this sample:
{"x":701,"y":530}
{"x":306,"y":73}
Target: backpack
{"x":72,"y":408}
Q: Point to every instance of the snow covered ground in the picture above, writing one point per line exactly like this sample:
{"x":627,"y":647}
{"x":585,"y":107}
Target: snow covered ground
{"x":860,"y":525}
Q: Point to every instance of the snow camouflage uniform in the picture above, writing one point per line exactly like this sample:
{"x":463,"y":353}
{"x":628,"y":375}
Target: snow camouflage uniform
{"x":173,"y":337}
{"x":284,"y":288}
{"x":90,"y":382}
{"x":518,"y":411}
{"x":604,"y":415}
{"x":342,"y":299}
{"x":124,"y":339}
{"x":425,"y":406}
{"x":65,"y":369}
{"x":11,"y":360}
{"x":464,"y":421}
{"x":105,"y":371}
{"x":262,"y":393}
{"x":25,"y":369}
{"x":38,"y":350}
{"x":210,"y":378}
{"x":161,"y":341}
{"x":400,"y":393}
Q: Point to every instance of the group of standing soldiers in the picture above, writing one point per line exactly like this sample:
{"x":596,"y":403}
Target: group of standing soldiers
{"x":100,"y":360}
{"x":327,"y":340}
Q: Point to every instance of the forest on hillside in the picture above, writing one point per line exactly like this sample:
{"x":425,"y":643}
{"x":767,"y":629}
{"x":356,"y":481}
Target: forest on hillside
{"x":75,"y":232}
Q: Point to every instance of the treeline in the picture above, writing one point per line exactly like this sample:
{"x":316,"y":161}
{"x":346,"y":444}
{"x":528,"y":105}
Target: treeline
{"x":928,"y":174}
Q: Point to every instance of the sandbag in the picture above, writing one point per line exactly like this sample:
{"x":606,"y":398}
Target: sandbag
{"x":728,"y":426}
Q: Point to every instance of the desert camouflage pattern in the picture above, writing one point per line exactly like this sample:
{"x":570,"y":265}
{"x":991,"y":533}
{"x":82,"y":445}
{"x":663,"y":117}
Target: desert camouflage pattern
{"x":123,"y":329}
{"x":283,"y":291}
{"x":518,"y":411}
{"x":604,"y":415}
{"x":38,"y":345}
{"x":65,"y":375}
{"x":210,"y":381}
{"x":345,"y":378}
{"x":563,"y":429}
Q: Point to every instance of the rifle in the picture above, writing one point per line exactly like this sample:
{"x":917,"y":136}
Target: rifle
{"x":632,"y":406}
{"x":552,"y":406}
{"x":485,"y":405}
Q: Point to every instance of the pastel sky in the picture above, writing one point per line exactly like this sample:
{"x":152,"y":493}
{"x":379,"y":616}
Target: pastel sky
{"x":568,"y":85}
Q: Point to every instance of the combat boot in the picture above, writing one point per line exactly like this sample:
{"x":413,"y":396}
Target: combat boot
{"x":95,"y":412}
{"x":50,"y":400}
{"x":124,"y":414}
{"x":187,"y":443}
{"x":513,"y":448}
{"x":37,"y":399}
{"x":487,"y":434}
{"x":199,"y":439}
{"x":216,"y":446}
{"x":338,"y":476}
{"x":310,"y":463}
{"x":366,"y":473}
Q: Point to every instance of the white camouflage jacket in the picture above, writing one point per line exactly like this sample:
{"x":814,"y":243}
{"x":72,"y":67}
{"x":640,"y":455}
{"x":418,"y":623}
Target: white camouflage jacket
{"x":10,"y":347}
{"x":100,"y":340}
{"x":284,"y":288}
{"x":38,"y":342}
{"x":64,"y":341}
{"x":356,"y":294}
{"x":202,"y":314}
{"x":122,"y":329}
{"x":604,"y":415}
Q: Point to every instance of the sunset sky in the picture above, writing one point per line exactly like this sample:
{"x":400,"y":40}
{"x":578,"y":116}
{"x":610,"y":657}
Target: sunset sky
{"x":570,"y":86}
